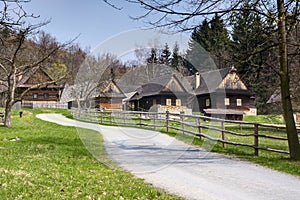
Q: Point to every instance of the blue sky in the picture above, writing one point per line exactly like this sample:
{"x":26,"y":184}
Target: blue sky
{"x":99,"y":27}
{"x":93,"y":20}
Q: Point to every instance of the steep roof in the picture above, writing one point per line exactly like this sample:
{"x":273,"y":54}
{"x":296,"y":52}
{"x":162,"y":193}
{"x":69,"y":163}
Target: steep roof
{"x":137,"y":76}
{"x":163,"y":84}
{"x":110,"y":89}
{"x":223,"y":79}
{"x":35,"y":76}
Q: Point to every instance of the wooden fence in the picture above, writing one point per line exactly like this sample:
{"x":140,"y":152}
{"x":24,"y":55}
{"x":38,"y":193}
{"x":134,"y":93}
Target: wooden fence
{"x":258,"y":136}
{"x":45,"y":105}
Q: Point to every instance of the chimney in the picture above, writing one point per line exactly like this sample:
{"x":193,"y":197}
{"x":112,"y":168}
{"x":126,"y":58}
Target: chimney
{"x":197,"y":80}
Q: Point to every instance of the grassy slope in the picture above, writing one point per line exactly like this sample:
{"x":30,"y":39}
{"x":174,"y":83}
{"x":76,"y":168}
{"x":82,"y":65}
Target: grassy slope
{"x":50,"y":162}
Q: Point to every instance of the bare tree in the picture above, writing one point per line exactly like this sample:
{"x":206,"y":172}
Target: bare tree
{"x":185,"y":15}
{"x":19,"y":54}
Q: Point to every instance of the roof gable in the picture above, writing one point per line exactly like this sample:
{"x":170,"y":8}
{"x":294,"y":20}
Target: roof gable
{"x":211,"y":80}
{"x":226,"y":78}
{"x":173,"y":85}
{"x":232,"y":81}
{"x":36,"y":77}
{"x":112,"y":88}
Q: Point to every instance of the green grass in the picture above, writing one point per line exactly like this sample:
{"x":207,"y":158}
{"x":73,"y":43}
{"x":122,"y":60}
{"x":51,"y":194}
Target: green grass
{"x":41,"y":160}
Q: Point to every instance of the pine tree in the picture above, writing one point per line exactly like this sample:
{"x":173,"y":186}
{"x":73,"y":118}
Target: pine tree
{"x":250,"y":36}
{"x":219,"y":42}
{"x":165,"y":55}
{"x":197,"y":58}
{"x":175,"y":57}
{"x":209,"y":46}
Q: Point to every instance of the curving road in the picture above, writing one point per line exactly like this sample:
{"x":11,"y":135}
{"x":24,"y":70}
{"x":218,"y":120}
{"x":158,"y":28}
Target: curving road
{"x":186,"y":170}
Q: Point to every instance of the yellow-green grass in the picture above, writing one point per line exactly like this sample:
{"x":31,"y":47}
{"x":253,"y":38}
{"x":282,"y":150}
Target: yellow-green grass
{"x":42,"y":160}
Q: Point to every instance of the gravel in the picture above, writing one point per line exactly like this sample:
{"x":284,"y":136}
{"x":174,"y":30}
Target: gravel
{"x":186,"y":170}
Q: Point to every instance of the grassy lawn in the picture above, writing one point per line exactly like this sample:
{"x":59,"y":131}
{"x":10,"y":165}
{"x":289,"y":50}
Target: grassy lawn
{"x":41,"y":160}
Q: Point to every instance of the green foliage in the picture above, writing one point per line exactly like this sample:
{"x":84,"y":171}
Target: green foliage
{"x":41,"y":160}
{"x":253,"y":55}
{"x":211,"y":37}
{"x":165,"y":55}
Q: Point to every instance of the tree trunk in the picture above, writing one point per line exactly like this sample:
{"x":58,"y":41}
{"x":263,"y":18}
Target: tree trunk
{"x":291,"y":130}
{"x":7,"y":116}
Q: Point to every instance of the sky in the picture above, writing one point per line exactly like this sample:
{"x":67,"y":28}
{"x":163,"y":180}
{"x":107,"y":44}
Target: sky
{"x":94,"y":22}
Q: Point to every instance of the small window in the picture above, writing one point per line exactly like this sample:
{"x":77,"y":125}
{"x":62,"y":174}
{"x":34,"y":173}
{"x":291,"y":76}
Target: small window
{"x":46,"y":96}
{"x":168,"y":102}
{"x":178,"y":102}
{"x":35,"y":95}
{"x":207,"y":102}
{"x":227,"y":101}
{"x":238,"y":102}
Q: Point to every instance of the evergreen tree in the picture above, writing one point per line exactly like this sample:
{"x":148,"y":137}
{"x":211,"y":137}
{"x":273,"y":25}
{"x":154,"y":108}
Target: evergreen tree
{"x":175,"y":57}
{"x":250,"y":36}
{"x":165,"y":55}
{"x":219,"y":42}
{"x":209,"y":45}
{"x":197,"y":58}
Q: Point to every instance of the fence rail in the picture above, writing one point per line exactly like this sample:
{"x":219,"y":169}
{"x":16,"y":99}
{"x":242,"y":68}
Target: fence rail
{"x":45,"y":105}
{"x":258,"y":136}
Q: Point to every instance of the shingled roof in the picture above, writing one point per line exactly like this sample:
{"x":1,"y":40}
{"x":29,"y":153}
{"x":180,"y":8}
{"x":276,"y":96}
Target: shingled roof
{"x":158,"y":85}
{"x":210,"y":81}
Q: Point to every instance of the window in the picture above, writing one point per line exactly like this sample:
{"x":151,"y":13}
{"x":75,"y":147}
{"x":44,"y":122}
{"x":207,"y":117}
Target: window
{"x":227,"y":101}
{"x":168,"y":102}
{"x":46,"y":96}
{"x":238,"y":102}
{"x":35,"y":95}
{"x":178,"y":102}
{"x":207,"y":102}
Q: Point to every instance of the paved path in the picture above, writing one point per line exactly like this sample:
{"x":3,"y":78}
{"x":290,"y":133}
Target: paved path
{"x":186,"y":170}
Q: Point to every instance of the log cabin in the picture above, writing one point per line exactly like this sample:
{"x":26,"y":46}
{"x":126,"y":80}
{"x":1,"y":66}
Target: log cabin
{"x":109,"y":96}
{"x":222,"y":93}
{"x":166,"y":91}
{"x":49,"y":94}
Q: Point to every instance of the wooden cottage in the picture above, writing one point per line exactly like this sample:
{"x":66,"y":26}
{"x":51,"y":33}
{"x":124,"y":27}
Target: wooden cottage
{"x":221,"y":93}
{"x":165,"y":91}
{"x":48,"y":94}
{"x":109,"y":96}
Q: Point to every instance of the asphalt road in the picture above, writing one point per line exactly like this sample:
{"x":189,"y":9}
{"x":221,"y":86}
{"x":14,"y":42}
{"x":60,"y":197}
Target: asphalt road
{"x":186,"y":170}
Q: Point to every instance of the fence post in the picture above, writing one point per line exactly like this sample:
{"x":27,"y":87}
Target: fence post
{"x":199,"y":127}
{"x":101,"y":116}
{"x":124,"y":117}
{"x":110,"y":117}
{"x":256,"y":139}
{"x":223,"y":134}
{"x":140,"y":119}
{"x":154,"y":121}
{"x":167,"y":120}
{"x":182,"y":119}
